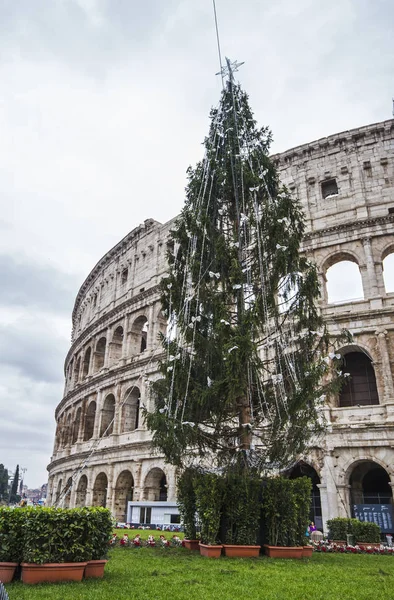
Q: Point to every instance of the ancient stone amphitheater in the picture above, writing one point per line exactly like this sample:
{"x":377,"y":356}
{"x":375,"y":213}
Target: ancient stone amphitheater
{"x":346,"y":184}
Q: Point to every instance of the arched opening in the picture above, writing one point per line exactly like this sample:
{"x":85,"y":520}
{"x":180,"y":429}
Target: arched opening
{"x":370,"y":484}
{"x":388,"y":273}
{"x":155,"y":488}
{"x":139,"y":335}
{"x":100,"y":490}
{"x":89,"y":421}
{"x":117,"y":344}
{"x":67,"y":497}
{"x":70,"y":370}
{"x":130,"y":410}
{"x":76,"y":370}
{"x":302,"y":469}
{"x":107,"y":416}
{"x":58,"y":490}
{"x":86,"y":362}
{"x":80,"y":496}
{"x":359,"y":388}
{"x":76,"y":426}
{"x":99,"y":354}
{"x":123,"y":494}
{"x":344,"y":282}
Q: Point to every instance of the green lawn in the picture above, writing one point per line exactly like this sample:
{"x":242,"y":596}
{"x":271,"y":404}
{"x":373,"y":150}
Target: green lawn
{"x":174,"y":573}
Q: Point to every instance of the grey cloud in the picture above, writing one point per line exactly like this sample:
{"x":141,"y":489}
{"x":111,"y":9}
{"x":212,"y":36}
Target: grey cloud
{"x":33,"y":285}
{"x":30,"y":346}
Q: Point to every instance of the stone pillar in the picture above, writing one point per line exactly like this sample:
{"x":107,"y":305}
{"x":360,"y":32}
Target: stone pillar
{"x":329,"y":497}
{"x":73,"y":494}
{"x":381,"y":335}
{"x":323,"y":287}
{"x":150,"y":341}
{"x":89,"y":495}
{"x":344,"y":509}
{"x":372,"y":291}
{"x":97,"y":419}
{"x":171,"y":485}
{"x":138,"y":489}
{"x":125,"y":353}
{"x":110,"y":489}
{"x":107,"y":347}
{"x":118,"y":410}
{"x":90,"y":368}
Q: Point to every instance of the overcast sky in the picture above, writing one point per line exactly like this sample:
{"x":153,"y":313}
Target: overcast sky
{"x":103,"y":105}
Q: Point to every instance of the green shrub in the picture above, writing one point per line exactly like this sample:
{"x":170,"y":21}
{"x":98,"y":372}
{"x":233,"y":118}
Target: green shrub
{"x":286,"y":506}
{"x":209,"y":489}
{"x":11,"y":534}
{"x":242,"y":507}
{"x":99,"y":531}
{"x":361,"y":530}
{"x":186,"y":498}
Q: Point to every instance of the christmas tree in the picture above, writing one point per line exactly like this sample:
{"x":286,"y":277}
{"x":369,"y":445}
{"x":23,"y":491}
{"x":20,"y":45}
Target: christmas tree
{"x":247,"y":360}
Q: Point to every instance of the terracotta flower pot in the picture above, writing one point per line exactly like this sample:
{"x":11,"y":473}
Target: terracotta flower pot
{"x":238,"y":551}
{"x":284,"y":551}
{"x":52,"y":572}
{"x":7,"y":571}
{"x":210,"y":551}
{"x":192,"y":544}
{"x":307,"y":552}
{"x":95,"y":568}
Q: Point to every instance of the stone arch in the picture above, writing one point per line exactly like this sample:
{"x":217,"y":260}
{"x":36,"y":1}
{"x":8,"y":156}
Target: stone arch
{"x":117,"y":344}
{"x":130,"y":410}
{"x":80,"y":497}
{"x":388,"y":268}
{"x":139,"y":335}
{"x":76,"y":425}
{"x":343,"y":277}
{"x":58,"y":490}
{"x":77,"y":370}
{"x":124,"y":489}
{"x":90,"y":418}
{"x":155,"y":486}
{"x":68,"y":432}
{"x":100,"y":490}
{"x":359,"y":389}
{"x":107,"y":416}
{"x":303,"y":469}
{"x":99,"y":354}
{"x":369,"y":483}
{"x":67,"y":496}
{"x":86,"y":362}
{"x":70,"y":370}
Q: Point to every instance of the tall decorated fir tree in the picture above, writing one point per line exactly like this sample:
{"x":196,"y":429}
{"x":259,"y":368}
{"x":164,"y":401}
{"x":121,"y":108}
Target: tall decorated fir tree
{"x":247,"y":362}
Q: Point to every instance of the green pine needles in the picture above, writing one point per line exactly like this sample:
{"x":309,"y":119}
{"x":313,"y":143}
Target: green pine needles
{"x":247,"y":362}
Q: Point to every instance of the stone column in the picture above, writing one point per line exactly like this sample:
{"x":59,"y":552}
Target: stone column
{"x":125,"y":354}
{"x":138,"y":490}
{"x":329,"y":497}
{"x":107,"y":347}
{"x":150,"y":342}
{"x":343,"y":491}
{"x":372,"y":291}
{"x":73,"y":494}
{"x":381,"y":335}
{"x":89,"y":495}
{"x":118,"y":409}
{"x":97,"y":419}
{"x":110,"y":489}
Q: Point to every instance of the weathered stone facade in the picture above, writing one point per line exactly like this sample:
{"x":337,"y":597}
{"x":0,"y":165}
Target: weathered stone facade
{"x":346,"y":184}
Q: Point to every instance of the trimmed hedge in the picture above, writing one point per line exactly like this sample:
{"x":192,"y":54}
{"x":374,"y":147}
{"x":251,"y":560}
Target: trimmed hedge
{"x":362,"y":531}
{"x":55,"y":535}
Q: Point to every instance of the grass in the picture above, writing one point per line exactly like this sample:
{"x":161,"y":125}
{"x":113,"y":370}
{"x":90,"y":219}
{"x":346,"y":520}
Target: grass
{"x":154,"y":573}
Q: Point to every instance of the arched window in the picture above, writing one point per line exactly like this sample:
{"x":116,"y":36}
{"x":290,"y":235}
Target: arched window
{"x":388,"y":273}
{"x":89,"y":421}
{"x":116,"y":345}
{"x":76,"y":426}
{"x":359,"y":389}
{"x":107,"y":416}
{"x":370,"y":484}
{"x":130,"y":410}
{"x":100,"y":490}
{"x":86,"y":362}
{"x":123,"y":494}
{"x":76,"y":370}
{"x":139,"y":335}
{"x":344,"y":282}
{"x":155,"y":488}
{"x":99,"y":355}
{"x":302,"y":469}
{"x":80,"y":497}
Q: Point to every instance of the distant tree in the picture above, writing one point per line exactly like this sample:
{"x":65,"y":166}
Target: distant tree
{"x":14,"y":487}
{"x":3,"y":484}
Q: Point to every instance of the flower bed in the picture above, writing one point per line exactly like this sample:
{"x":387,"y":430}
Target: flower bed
{"x":324,"y":546}
{"x":151,"y":542}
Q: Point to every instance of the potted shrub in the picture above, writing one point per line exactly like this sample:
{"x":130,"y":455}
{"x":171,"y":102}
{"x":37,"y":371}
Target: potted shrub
{"x":99,"y":534}
{"x":187,"y":507}
{"x":241,"y":513}
{"x":338,"y":529}
{"x":284,"y":507}
{"x":365,"y":533}
{"x":209,"y":489}
{"x":302,"y":491}
{"x":55,"y":547}
{"x":10,"y":542}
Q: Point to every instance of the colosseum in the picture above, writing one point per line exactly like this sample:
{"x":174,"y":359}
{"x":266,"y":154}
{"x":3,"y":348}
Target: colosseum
{"x":102,"y":453}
